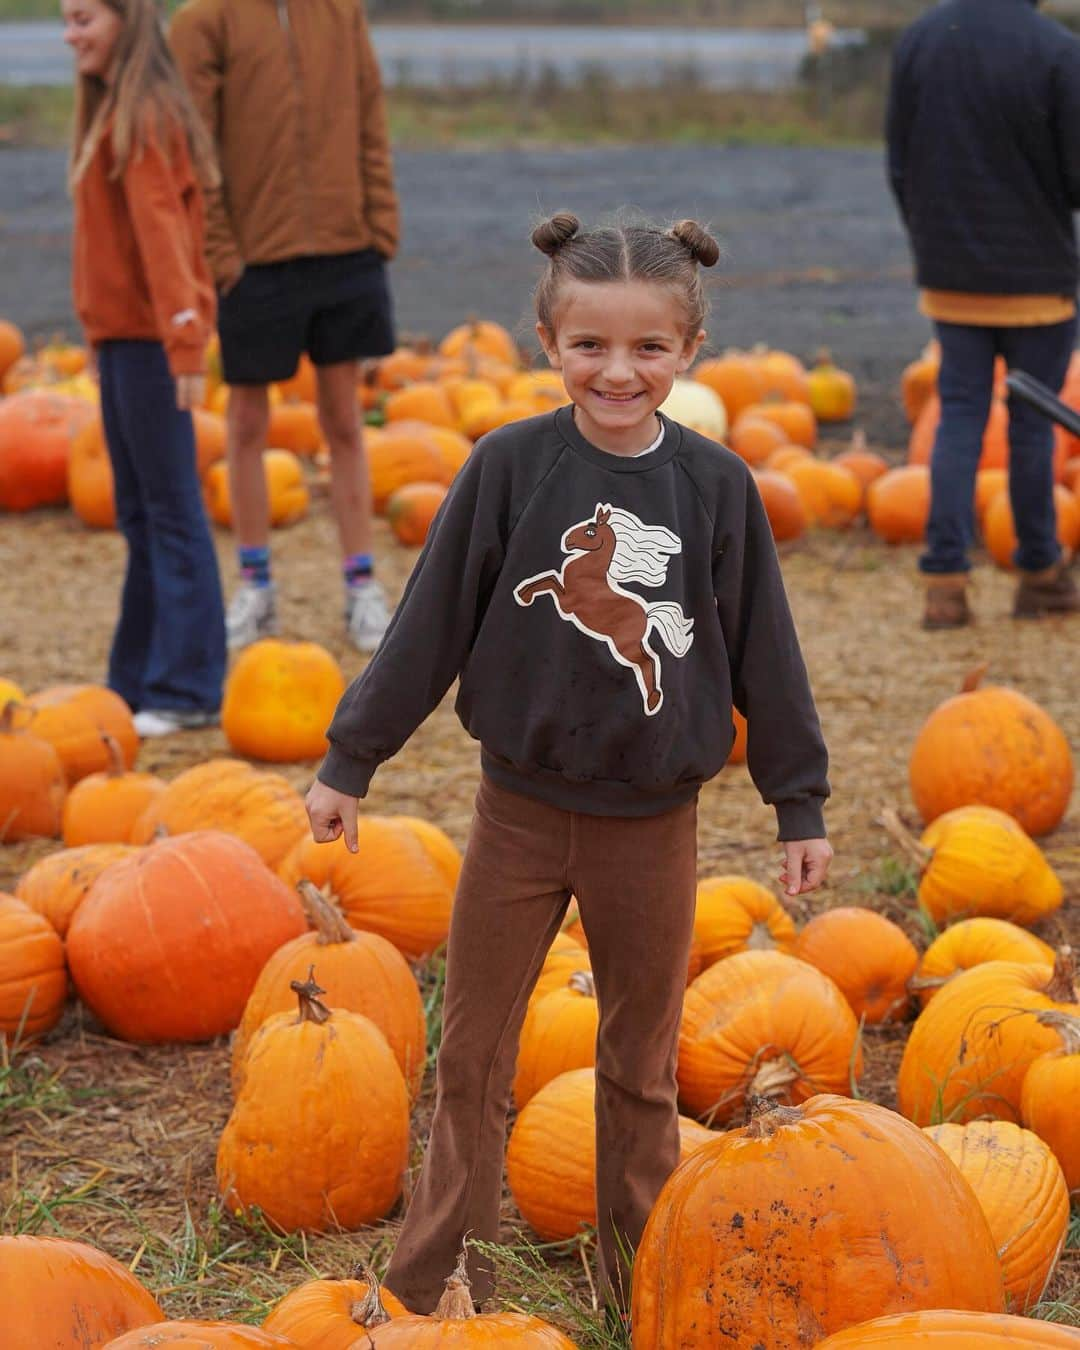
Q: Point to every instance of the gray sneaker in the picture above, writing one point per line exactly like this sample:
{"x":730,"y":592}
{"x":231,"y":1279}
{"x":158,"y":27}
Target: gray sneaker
{"x":366,"y":615}
{"x":252,"y":615}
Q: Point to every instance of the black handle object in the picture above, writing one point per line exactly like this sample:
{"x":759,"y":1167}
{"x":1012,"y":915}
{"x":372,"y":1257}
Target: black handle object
{"x":1033,"y":391}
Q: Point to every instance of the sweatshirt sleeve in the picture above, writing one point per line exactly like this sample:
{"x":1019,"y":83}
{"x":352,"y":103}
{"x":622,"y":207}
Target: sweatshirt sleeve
{"x":197,"y":47}
{"x":897,"y":118}
{"x":154,"y":182}
{"x":786,"y":753}
{"x":1066,"y":118}
{"x":432,"y":632}
{"x":376,"y":163}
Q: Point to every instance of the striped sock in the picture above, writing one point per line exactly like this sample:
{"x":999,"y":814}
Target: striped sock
{"x":358,"y":568}
{"x":255,"y":566}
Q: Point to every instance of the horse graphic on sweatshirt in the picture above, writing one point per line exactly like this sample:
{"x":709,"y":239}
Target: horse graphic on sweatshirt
{"x":613,"y":547}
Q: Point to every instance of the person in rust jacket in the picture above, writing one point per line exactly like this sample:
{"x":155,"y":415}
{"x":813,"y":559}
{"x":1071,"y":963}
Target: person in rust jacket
{"x":143,"y":294}
{"x":299,"y":232}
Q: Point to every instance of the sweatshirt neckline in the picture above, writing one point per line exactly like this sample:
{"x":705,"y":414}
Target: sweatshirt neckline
{"x":567,"y":428}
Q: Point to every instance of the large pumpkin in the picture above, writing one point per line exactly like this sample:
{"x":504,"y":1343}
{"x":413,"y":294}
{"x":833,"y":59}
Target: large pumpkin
{"x":360,"y":972}
{"x":972,"y":1044}
{"x":993,"y":746}
{"x":806,"y":1220}
{"x":32,"y":782}
{"x":551,"y":1156}
{"x":33,"y":974}
{"x":56,"y":885}
{"x":260,"y":807}
{"x":168,"y":944}
{"x":404,"y":453}
{"x":279,"y":699}
{"x":319,"y":1136}
{"x":1021,"y":1188}
{"x":868,"y":957}
{"x":65,"y":1294}
{"x":947,"y":1329}
{"x":329,"y":1314}
{"x":973,"y":942}
{"x":391,"y":886}
{"x":198,"y":1335}
{"x":734,"y":914}
{"x":763,"y":1024}
{"x":36,"y":431}
{"x":1050,"y":1093}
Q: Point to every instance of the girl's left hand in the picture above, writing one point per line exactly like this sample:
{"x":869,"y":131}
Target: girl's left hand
{"x":805,"y":865}
{"x":190,"y":391}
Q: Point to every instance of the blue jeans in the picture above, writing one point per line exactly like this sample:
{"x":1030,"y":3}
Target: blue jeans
{"x":965,"y":384}
{"x":169,"y":647}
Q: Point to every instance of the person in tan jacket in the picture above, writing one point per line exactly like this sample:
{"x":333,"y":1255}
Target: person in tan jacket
{"x":298,"y":236}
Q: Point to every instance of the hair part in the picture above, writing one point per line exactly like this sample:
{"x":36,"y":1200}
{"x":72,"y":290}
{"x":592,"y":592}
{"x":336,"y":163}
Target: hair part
{"x":146,"y":91}
{"x":624,"y":252}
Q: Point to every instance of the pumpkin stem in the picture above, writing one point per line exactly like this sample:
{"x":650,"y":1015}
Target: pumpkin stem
{"x":311,"y":1010}
{"x":327,"y":919}
{"x":760,"y":939}
{"x":1062,"y":986}
{"x":117,"y":767}
{"x":900,"y":834}
{"x":1067,"y":1027}
{"x":7,"y":717}
{"x":773,"y":1078}
{"x":456,"y":1303}
{"x":582,"y":982}
{"x":766,"y":1117}
{"x":368,"y":1311}
{"x":973,"y":678}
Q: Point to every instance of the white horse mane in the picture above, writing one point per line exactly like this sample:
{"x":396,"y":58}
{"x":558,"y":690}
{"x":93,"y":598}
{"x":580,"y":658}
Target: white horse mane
{"x":641,"y":551}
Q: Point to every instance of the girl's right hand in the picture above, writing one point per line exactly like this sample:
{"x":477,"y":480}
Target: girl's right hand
{"x":190,"y":391}
{"x":332,"y":814}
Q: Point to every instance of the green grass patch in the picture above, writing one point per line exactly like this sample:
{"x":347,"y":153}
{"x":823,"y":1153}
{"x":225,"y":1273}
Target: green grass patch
{"x":35,"y":114}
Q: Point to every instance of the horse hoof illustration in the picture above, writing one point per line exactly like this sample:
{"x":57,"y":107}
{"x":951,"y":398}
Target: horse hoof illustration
{"x":523,"y":595}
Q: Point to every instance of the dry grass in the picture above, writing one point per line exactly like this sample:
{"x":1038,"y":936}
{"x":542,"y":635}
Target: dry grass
{"x":116,"y":1143}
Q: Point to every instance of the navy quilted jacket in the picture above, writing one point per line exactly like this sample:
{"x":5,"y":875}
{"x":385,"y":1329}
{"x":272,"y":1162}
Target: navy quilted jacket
{"x":983,"y":133}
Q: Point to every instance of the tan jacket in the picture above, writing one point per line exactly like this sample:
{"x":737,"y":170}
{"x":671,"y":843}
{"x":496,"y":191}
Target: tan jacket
{"x":291,"y":92}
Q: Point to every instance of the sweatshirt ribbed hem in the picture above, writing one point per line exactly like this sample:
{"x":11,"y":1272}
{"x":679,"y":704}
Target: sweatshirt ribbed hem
{"x":595,"y":797}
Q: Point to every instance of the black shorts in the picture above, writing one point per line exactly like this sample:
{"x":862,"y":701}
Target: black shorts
{"x":336,"y":307}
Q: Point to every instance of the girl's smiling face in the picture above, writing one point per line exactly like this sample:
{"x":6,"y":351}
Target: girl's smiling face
{"x":91,"y":28}
{"x":619,"y":346}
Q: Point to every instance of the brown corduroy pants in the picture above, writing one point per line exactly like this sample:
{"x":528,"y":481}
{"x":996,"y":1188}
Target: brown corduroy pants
{"x":634,"y":880}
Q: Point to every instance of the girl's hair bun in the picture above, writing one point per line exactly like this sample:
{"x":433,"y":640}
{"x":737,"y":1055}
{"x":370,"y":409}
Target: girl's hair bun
{"x":550,"y":235}
{"x":698,"y":242}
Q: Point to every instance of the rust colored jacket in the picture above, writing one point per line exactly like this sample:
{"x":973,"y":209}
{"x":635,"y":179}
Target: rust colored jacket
{"x":138,"y":263}
{"x":291,"y":92}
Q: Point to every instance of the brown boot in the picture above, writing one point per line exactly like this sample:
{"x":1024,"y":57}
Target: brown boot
{"x":946,"y":601}
{"x":1051,"y":591}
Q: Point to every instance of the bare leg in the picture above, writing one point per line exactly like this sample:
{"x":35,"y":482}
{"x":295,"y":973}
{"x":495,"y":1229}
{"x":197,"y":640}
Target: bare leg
{"x":248,"y":423}
{"x":350,"y":486}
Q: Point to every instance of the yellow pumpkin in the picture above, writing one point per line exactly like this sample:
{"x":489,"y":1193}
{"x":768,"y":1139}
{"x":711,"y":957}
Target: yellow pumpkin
{"x":286,"y":490}
{"x":734,"y":914}
{"x":279,"y":699}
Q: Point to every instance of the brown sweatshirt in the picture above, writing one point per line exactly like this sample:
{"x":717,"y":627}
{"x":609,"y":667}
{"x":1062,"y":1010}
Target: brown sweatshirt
{"x":603,"y":614}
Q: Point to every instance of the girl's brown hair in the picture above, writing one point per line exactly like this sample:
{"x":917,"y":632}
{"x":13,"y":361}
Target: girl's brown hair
{"x":631,"y":252}
{"x":145,"y":84}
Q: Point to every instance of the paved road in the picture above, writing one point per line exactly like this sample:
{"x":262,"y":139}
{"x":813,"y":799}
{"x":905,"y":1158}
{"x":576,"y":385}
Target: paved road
{"x":814,"y":253}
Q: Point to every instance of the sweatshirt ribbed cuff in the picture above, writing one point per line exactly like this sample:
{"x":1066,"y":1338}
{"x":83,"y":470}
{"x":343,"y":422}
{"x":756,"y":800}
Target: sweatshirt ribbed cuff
{"x":800,"y":820}
{"x":186,"y":359}
{"x":345,"y":773}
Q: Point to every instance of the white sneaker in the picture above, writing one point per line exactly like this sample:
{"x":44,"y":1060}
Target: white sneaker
{"x":164,"y":721}
{"x":252,"y":615}
{"x":366,"y":615}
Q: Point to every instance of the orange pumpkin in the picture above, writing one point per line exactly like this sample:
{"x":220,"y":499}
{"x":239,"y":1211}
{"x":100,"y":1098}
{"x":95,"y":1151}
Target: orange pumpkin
{"x":168,"y":943}
{"x":405,"y":453}
{"x":424,"y":401}
{"x":454,"y":448}
{"x":260,"y":807}
{"x":868,"y":957}
{"x":361,"y":972}
{"x":198,"y":1335}
{"x":972,"y":1044}
{"x":68,"y":1294}
{"x":734,"y":914}
{"x":210,"y":438}
{"x":754,"y":437}
{"x":12,"y":346}
{"x":75,"y":718}
{"x":735,"y":377}
{"x":782,"y":458}
{"x":558,"y":1034}
{"x":804,"y":1221}
{"x":286,"y":490}
{"x":993,"y":746}
{"x":90,"y":477}
{"x":320,"y":1093}
{"x":403,"y":366}
{"x":738,"y":746}
{"x":794,"y":417}
{"x":898,"y":504}
{"x":56,"y":885}
{"x":763,"y":1024}
{"x":411,"y":508}
{"x":479,"y":338}
{"x":1050,"y":1092}
{"x":783,"y":505}
{"x":33,"y":974}
{"x":551,"y":1156}
{"x":995,"y":448}
{"x":392,"y":886}
{"x":103,"y":807}
{"x":784,"y":375}
{"x":32,"y":782}
{"x":831,"y":494}
{"x":999,"y":532}
{"x":279,"y":699}
{"x":559,"y":965}
{"x":36,"y":431}
{"x":948,"y":1329}
{"x":303,"y":384}
{"x":832,"y":390}
{"x":988,"y":484}
{"x":329,"y":1314}
{"x":970,"y":943}
{"x":919,"y":380}
{"x":867,"y":465}
{"x":295,"y":427}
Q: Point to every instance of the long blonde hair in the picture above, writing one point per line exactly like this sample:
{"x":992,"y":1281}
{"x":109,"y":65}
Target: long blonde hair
{"x":144,"y":81}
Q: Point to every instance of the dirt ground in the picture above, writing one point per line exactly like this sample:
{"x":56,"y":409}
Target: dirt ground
{"x":814,"y":254}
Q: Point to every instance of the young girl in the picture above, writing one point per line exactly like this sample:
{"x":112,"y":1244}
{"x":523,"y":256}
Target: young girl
{"x":144,"y":296}
{"x":604,"y":582}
